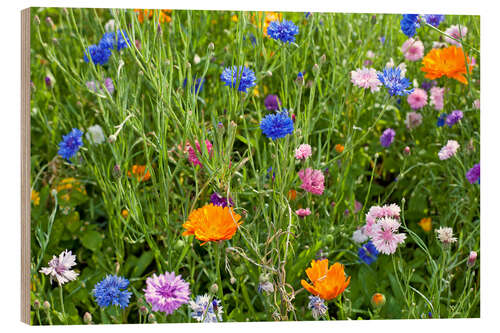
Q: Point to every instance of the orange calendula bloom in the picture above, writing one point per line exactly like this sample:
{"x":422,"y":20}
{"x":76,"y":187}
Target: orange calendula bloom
{"x":292,"y":194}
{"x":268,"y":18}
{"x":426,"y":224}
{"x":140,"y":172}
{"x":339,"y":148}
{"x":212,"y":223}
{"x":448,"y":61}
{"x":148,"y":13}
{"x":125,"y":213}
{"x":327,"y":283}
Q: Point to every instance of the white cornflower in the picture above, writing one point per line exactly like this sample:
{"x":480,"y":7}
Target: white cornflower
{"x":95,"y":135}
{"x":59,"y":268}
{"x":445,"y":235}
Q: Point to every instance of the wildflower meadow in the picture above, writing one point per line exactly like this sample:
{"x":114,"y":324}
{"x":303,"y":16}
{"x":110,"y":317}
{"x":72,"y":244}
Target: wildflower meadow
{"x":219,"y":166}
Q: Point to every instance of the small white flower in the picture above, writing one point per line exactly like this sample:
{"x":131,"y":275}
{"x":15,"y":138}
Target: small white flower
{"x":59,"y":268}
{"x":110,"y":26}
{"x":196,"y":59}
{"x":359,"y":236}
{"x":95,"y":135}
{"x":445,"y":235}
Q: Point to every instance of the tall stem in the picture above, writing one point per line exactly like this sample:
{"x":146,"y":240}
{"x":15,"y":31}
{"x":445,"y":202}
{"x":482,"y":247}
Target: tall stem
{"x":62,"y":304}
{"x":217,"y":268}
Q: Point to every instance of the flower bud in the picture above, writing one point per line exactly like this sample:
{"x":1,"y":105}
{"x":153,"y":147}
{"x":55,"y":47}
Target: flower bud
{"x":211,"y":46}
{"x":196,"y":59}
{"x":322,"y":59}
{"x":315,"y":68}
{"x":233,"y":280}
{"x":151,"y":318}
{"x":472,"y":259}
{"x":112,"y":138}
{"x":36,"y":304}
{"x":116,"y":171}
{"x":378,"y":300}
{"x":36,"y":19}
{"x":143,"y":310}
{"x":87,"y":318}
{"x":46,"y":305}
{"x":53,"y":192}
{"x":407,"y":150}
{"x":214,"y":288}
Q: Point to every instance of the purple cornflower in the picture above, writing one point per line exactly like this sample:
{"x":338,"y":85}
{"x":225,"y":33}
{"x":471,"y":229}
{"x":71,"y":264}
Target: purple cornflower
{"x":272,"y":102}
{"x":48,"y":82}
{"x":387,"y":137}
{"x":474,"y":174}
{"x":434,"y":19}
{"x":166,"y":292}
{"x":427,"y":85}
{"x":218,"y":200}
{"x":454,"y":117}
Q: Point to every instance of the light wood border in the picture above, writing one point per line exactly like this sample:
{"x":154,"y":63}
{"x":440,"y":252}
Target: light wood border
{"x":25,"y":166}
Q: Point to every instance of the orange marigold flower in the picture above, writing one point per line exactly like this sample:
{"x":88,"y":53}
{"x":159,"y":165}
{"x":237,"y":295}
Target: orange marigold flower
{"x":328,"y":283}
{"x":125,"y":213}
{"x":148,"y":13}
{"x":268,"y":18}
{"x":292,"y":194}
{"x":339,"y":148}
{"x":448,"y":61}
{"x":212,"y":223}
{"x":140,"y":172}
{"x":378,"y":300}
{"x":426,"y":224}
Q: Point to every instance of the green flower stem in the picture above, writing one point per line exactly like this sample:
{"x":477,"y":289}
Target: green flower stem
{"x":62,"y":304}
{"x":217,"y":247}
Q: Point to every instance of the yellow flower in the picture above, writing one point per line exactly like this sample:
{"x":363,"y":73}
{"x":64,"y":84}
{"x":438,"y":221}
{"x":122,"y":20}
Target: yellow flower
{"x":234,"y":18}
{"x":268,"y":18}
{"x":67,"y":185}
{"x":256,"y":91}
{"x":35,"y":197}
{"x":426,"y":224}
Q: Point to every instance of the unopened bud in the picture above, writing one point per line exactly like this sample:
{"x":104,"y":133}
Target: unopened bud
{"x":151,"y":318}
{"x":214,"y":288}
{"x":46,"y":305}
{"x":233,"y":280}
{"x":188,"y":64}
{"x":322,"y":59}
{"x":36,"y":304}
{"x":196,"y":59}
{"x":112,"y":138}
{"x":53,"y":192}
{"x":211,"y":46}
{"x":36,"y":19}
{"x":315,"y":68}
{"x":472,"y":259}
{"x":407,"y":150}
{"x":269,"y":73}
{"x":117,"y":171}
{"x":378,"y":300}
{"x":143,"y":310}
{"x":87,"y":318}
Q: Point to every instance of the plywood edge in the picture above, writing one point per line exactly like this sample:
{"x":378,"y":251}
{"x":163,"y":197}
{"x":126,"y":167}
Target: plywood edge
{"x":25,"y":166}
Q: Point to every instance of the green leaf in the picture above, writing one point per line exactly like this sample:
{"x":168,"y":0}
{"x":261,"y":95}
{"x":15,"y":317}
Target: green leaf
{"x":92,"y":240}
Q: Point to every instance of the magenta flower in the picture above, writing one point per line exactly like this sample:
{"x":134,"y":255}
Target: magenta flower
{"x":417,"y":99}
{"x":413,"y":50}
{"x":366,"y":78}
{"x":449,"y":150}
{"x":312,"y":181}
{"x":385,"y":237}
{"x":193,"y":158}
{"x":60,"y":268}
{"x":303,"y":212}
{"x":303,"y":152}
{"x":166,"y":292}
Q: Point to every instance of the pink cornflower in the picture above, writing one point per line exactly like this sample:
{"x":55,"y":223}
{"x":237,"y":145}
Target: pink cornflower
{"x":303,"y":152}
{"x":417,"y":99}
{"x":166,"y":292}
{"x":437,"y":99}
{"x":193,"y":158}
{"x":385,"y":237}
{"x":303,"y":212}
{"x":312,"y":181}
{"x":412,"y":49}
{"x":413,"y":120}
{"x":377,"y":212}
{"x":366,"y":78}
{"x":455,"y":32}
{"x":59,"y":268}
{"x":477,"y":104}
{"x":449,"y":150}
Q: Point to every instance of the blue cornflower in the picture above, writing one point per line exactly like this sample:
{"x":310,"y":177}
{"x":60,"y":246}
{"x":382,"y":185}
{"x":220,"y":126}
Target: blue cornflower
{"x":70,"y":144}
{"x":317,"y":306}
{"x":395,"y":83}
{"x":308,"y":14}
{"x":284,"y":31}
{"x":110,"y":40}
{"x":441,"y":120}
{"x":252,"y":38}
{"x":368,"y":253}
{"x":269,"y":170}
{"x":198,"y":84}
{"x":382,"y":39}
{"x":241,"y":75}
{"x":206,"y":310}
{"x":434,"y":19}
{"x":387,"y":137}
{"x":112,"y":290}
{"x":99,"y":55}
{"x":409,"y":24}
{"x":277,"y":125}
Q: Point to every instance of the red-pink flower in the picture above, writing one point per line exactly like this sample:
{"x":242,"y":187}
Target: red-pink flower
{"x":417,"y":99}
{"x":303,"y":212}
{"x":312,"y":181}
{"x":413,"y":50}
{"x":193,"y":158}
{"x":437,"y":99}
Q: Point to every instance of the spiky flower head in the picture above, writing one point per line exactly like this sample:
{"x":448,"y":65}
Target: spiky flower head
{"x":112,"y":290}
{"x":60,"y":268}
